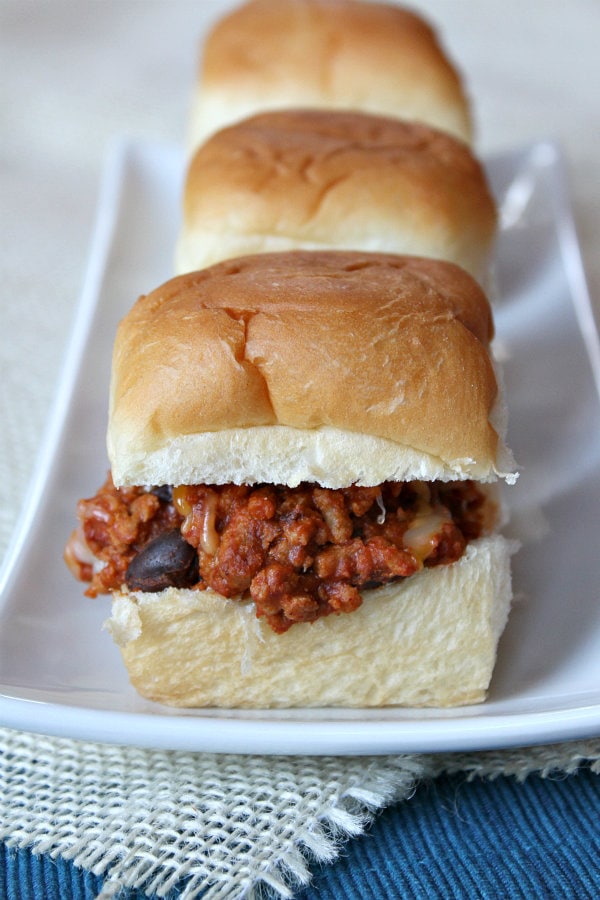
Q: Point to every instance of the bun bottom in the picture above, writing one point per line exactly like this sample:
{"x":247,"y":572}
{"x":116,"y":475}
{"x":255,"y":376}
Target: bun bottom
{"x":430,"y":640}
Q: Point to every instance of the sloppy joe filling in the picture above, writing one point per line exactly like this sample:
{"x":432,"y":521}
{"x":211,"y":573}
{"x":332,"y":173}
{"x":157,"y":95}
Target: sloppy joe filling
{"x":299,"y":553}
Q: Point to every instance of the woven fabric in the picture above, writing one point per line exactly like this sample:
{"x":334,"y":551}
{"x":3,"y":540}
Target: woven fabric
{"x":222,"y":823}
{"x":223,"y":826}
{"x":483,"y":838}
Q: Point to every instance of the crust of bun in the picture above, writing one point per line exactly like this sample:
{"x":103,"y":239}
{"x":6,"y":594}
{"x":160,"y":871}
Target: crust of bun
{"x":376,"y":57}
{"x":314,"y":179}
{"x":430,"y":640}
{"x":377,"y":346}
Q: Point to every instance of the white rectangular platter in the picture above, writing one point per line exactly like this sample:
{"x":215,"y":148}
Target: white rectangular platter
{"x":60,"y":672}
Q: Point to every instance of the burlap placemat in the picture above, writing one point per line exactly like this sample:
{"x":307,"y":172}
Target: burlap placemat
{"x":220,"y":826}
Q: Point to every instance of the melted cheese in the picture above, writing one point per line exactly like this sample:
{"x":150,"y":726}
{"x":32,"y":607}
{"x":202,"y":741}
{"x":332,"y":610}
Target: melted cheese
{"x":420,"y":538}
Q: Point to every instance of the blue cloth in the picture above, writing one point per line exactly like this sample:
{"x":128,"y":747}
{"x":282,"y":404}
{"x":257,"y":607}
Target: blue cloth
{"x":489,"y":840}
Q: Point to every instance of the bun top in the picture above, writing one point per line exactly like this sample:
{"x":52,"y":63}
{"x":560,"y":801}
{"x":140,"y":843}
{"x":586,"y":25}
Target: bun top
{"x":347,"y":54}
{"x":316,"y":179}
{"x":325,"y":366}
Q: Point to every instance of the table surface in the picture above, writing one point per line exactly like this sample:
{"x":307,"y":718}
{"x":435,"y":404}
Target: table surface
{"x":77,"y":74}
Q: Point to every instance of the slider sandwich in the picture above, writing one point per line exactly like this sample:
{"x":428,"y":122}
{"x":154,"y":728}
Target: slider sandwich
{"x":327,"y":179}
{"x":333,"y":54}
{"x":301,"y":510}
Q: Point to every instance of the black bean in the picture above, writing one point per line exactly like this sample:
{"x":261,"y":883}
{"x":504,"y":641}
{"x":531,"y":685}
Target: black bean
{"x":167,"y":561}
{"x":164,"y":492}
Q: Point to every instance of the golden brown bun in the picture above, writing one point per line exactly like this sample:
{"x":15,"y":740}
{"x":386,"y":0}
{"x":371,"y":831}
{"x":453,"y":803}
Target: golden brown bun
{"x":427,"y":641}
{"x":347,"y":362}
{"x":376,"y":57}
{"x":314,"y":179}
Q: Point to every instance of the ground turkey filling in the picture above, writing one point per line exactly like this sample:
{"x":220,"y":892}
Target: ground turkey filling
{"x":299,"y":553}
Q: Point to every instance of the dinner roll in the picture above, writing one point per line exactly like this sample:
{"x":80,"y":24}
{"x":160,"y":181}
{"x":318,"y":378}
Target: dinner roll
{"x":316,"y":179}
{"x":430,"y":640}
{"x":345,"y":54}
{"x":335,"y":367}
